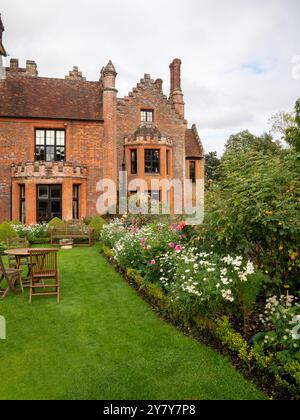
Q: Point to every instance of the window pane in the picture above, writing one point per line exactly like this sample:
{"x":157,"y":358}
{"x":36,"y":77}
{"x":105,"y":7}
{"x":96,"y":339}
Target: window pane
{"x":155,"y":196}
{"x":152,"y":161}
{"x":50,"y":137}
{"x":22,"y":191}
{"x":193,"y":171}
{"x":149,"y":116}
{"x":55,"y":191}
{"x":42,"y":211}
{"x":49,"y":153}
{"x":134,"y":162}
{"x":40,"y":153}
{"x":168,"y":162}
{"x":60,"y":138}
{"x":146,"y":115}
{"x":75,"y":191}
{"x":42,"y":192}
{"x":143,"y":116}
{"x":40,"y":137}
{"x":75,"y":202}
{"x":60,"y":154}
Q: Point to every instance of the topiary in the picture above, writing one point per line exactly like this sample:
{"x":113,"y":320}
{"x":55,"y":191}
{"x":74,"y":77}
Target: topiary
{"x":97,"y":224}
{"x":7,"y":232}
{"x":55,"y":222}
{"x":87,"y":220}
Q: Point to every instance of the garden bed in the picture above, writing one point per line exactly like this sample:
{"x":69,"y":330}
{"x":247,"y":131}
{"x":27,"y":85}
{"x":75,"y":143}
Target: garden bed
{"x":219,"y":301}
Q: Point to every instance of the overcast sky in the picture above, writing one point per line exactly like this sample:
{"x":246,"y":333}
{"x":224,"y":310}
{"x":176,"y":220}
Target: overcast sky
{"x":237,"y":54}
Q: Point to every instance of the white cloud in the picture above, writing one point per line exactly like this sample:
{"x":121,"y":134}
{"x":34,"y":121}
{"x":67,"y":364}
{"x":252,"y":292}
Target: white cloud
{"x":237,"y":55}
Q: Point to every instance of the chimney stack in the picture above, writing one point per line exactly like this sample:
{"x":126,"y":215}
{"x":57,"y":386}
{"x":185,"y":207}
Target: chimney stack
{"x":108,"y":78}
{"x":159,"y":84}
{"x":176,"y":95}
{"x":31,"y":68}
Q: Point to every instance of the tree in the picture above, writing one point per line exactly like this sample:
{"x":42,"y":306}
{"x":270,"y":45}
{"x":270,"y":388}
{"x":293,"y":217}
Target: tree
{"x":292,"y":134}
{"x":254,"y":210}
{"x":280,"y":122}
{"x":212,"y":163}
{"x":245,"y":140}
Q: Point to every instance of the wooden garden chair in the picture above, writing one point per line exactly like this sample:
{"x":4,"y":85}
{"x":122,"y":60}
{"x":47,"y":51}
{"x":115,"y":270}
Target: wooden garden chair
{"x":11,"y":276}
{"x":44,"y":274}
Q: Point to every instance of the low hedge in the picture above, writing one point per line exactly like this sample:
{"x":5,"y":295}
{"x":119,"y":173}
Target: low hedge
{"x":39,"y":241}
{"x":286,"y":377}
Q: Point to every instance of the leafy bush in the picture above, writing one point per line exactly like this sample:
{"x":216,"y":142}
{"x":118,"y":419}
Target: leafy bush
{"x":15,"y":222}
{"x":285,"y":372}
{"x":281,"y":320}
{"x":208,"y":284}
{"x":97,"y":224}
{"x":87,"y":220}
{"x":254,"y":210}
{"x":6,"y":232}
{"x":34,"y":233}
{"x":2,"y":247}
{"x":112,"y":233}
{"x":55,"y":222}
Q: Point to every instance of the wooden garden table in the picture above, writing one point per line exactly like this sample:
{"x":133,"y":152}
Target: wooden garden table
{"x":20,"y":253}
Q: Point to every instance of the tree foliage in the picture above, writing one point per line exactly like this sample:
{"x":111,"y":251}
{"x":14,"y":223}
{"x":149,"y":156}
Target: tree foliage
{"x":212,"y":163}
{"x":253,"y":209}
{"x":244,"y":140}
{"x":292,"y":134}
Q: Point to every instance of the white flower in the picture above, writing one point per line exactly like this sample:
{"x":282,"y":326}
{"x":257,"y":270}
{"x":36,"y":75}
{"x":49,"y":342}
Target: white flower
{"x":227,"y":295}
{"x":224,"y":281}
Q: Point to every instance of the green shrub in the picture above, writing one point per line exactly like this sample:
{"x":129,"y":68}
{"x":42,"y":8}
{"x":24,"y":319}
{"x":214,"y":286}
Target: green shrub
{"x":56,"y":222}
{"x":97,"y":224}
{"x":107,"y":252}
{"x":250,"y":214}
{"x":7,"y":231}
{"x":2,"y":247}
{"x":87,"y":220}
{"x":39,"y":241}
{"x":15,"y":222}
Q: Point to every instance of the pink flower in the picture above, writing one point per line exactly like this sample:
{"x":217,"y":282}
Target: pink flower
{"x":143,"y":241}
{"x":178,"y":248}
{"x":152,"y":262}
{"x":172,"y":245}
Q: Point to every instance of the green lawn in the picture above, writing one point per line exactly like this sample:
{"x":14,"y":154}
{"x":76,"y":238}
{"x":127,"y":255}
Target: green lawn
{"x":103,"y":342}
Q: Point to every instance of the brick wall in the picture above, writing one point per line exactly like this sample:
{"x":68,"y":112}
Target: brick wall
{"x":84,"y":145}
{"x":148,"y":95}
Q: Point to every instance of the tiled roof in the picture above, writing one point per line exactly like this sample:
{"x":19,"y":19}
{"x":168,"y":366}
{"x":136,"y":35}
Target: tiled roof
{"x":38,"y":97}
{"x":193,"y":146}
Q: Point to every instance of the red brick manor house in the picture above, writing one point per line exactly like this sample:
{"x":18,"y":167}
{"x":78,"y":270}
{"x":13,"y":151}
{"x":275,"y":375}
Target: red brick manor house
{"x":59,"y":137}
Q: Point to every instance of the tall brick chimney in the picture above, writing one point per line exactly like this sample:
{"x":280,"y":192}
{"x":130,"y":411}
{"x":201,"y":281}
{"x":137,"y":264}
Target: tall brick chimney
{"x":108,"y":78}
{"x":176,"y":95}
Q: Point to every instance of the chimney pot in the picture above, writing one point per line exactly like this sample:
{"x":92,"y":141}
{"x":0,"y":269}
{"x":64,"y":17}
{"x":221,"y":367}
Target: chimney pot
{"x":14,"y":63}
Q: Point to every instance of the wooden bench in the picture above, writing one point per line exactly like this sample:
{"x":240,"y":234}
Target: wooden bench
{"x":72,"y":231}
